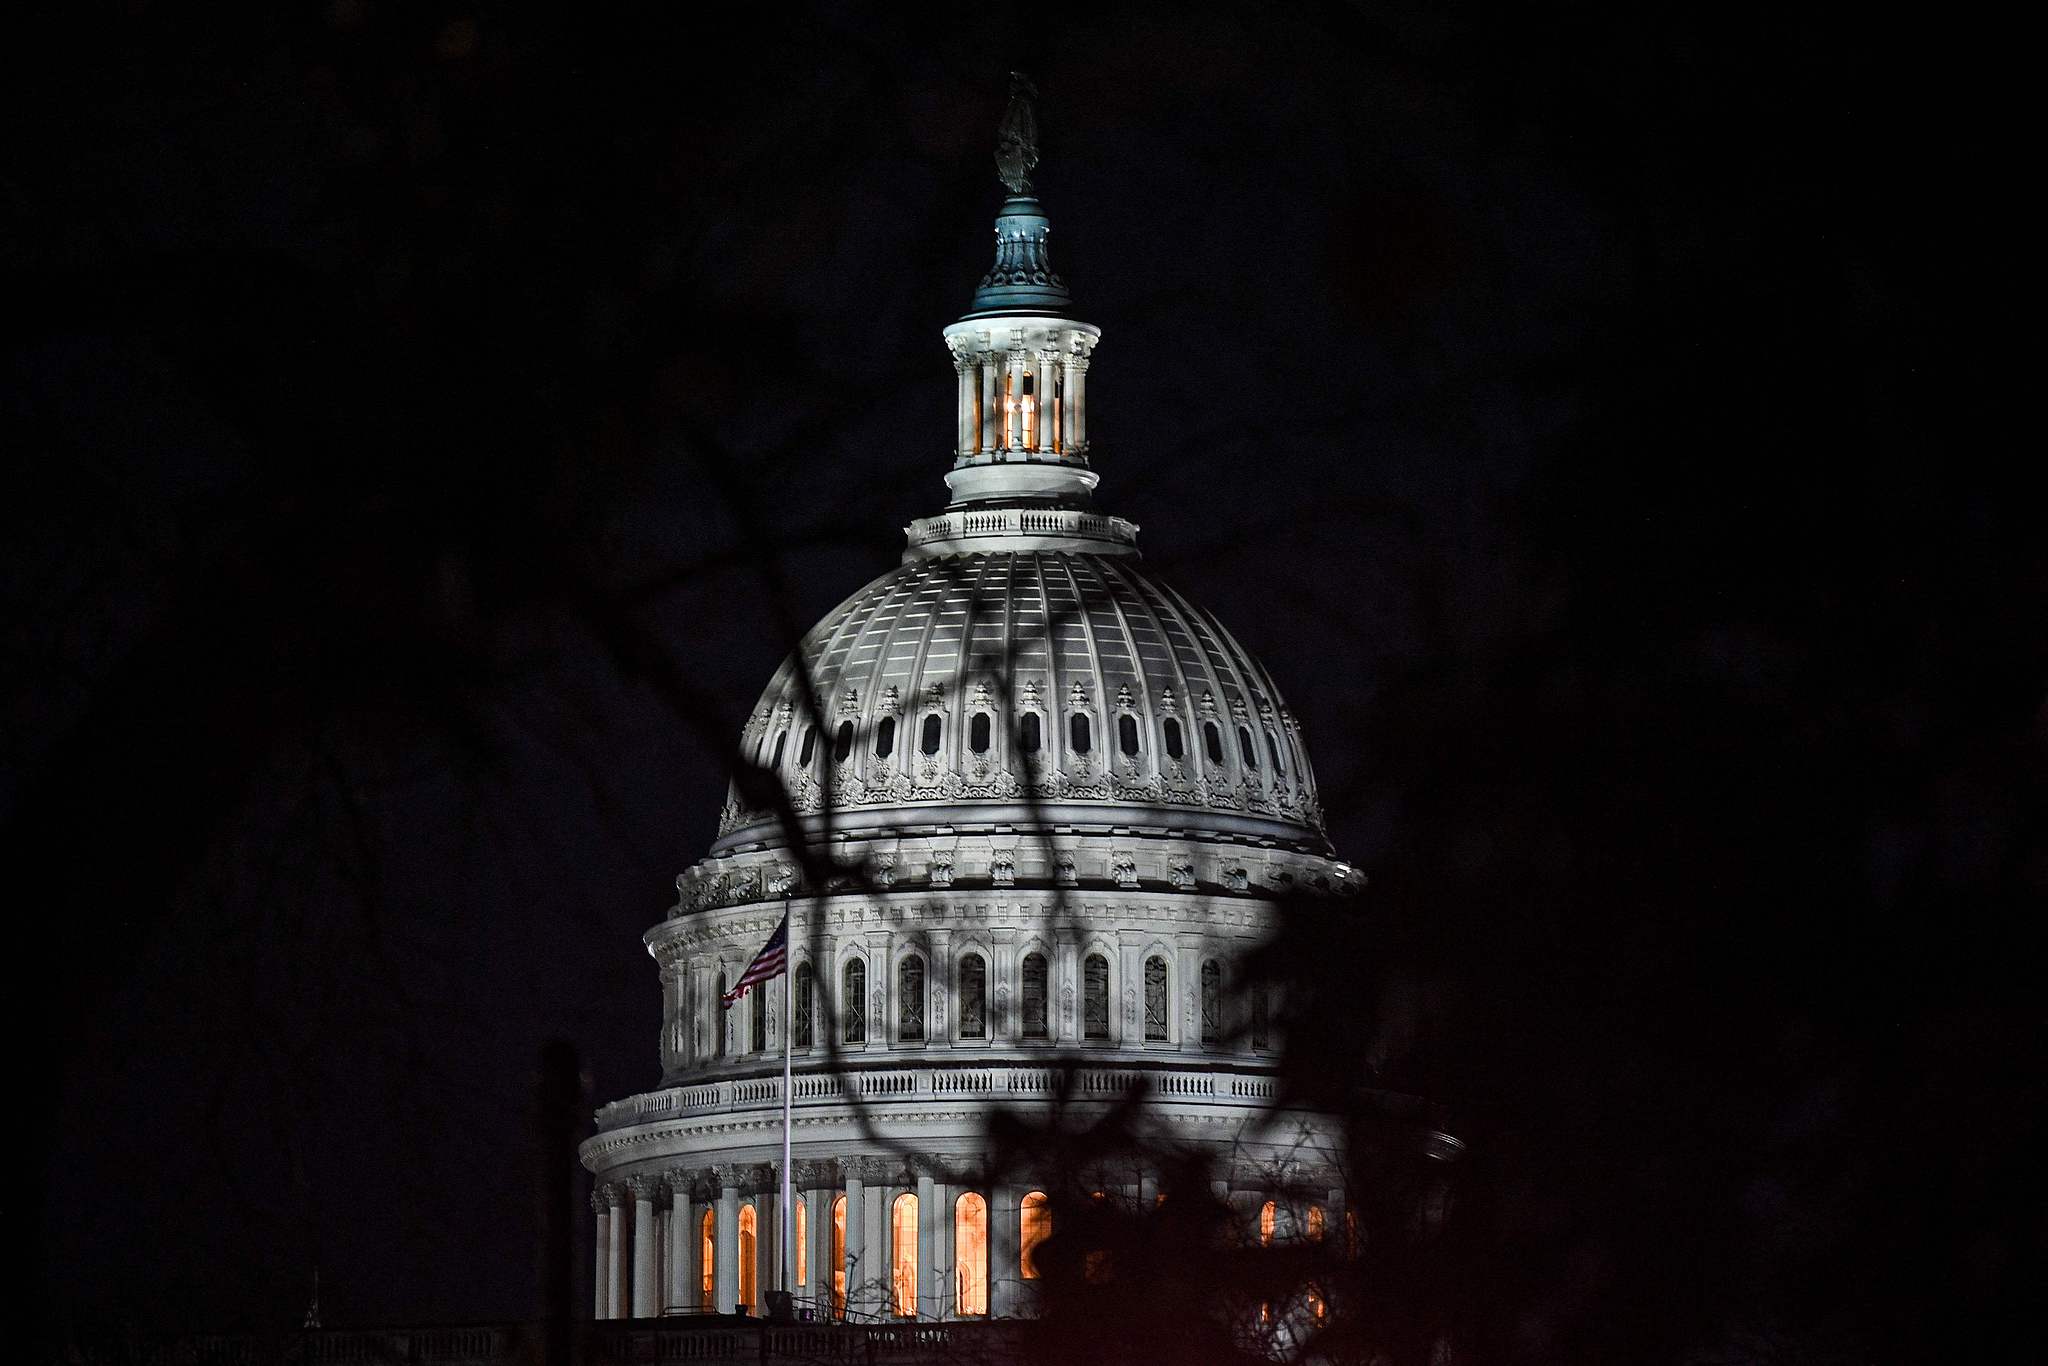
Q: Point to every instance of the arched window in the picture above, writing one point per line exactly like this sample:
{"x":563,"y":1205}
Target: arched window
{"x":1174,"y":749}
{"x":885,"y":738}
{"x":718,"y":1043}
{"x":977,"y":733}
{"x":1095,"y":997}
{"x":1244,"y":747}
{"x":803,"y":1244}
{"x":842,"y":743}
{"x":800,"y":1008}
{"x":1273,"y":748}
{"x":853,"y":1002}
{"x":1035,"y":1226}
{"x":1269,"y":1221}
{"x":1028,"y":738}
{"x":1212,"y":1001}
{"x":707,"y":1259}
{"x":838,"y":1256}
{"x":750,"y":1280}
{"x":1261,"y":1025}
{"x":1077,"y":733}
{"x":1032,"y":996}
{"x":1155,"y":999}
{"x":970,"y":1255}
{"x":931,"y":734}
{"x":910,"y":999}
{"x":973,"y":997}
{"x":758,"y":1039}
{"x":810,"y":744}
{"x":1316,"y":1222}
{"x":1212,"y":741}
{"x":903,"y":1256}
{"x":781,"y":739}
{"x":1127,"y":734}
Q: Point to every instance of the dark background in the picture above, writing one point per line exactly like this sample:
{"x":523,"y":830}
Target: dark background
{"x":426,"y":427}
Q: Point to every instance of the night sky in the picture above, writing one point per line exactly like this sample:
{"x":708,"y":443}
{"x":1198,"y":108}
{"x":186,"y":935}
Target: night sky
{"x":427,"y":427}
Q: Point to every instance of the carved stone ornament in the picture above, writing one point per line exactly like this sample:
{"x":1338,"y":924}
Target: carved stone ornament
{"x":1002,"y":869}
{"x":1236,"y":879}
{"x":1181,"y":873}
{"x":1124,"y":868}
{"x":1064,"y":872}
{"x":941,"y":871}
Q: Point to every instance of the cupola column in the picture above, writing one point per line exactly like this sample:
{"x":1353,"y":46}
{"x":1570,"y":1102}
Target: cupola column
{"x":1042,"y":387}
{"x":963,"y":367}
{"x":1077,"y":403}
{"x":682,"y":1242}
{"x":991,"y":401}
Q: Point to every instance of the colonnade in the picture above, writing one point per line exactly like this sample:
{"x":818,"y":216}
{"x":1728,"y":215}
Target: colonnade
{"x":873,"y":1239}
{"x":1022,"y":400}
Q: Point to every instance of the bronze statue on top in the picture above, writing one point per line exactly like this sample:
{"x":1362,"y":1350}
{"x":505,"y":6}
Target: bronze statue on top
{"x":1017,"y":136}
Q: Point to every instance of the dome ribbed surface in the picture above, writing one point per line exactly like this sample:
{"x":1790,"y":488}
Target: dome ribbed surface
{"x":1136,"y":698}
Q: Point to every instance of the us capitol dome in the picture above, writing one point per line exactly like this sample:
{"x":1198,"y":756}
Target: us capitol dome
{"x":1028,"y":809}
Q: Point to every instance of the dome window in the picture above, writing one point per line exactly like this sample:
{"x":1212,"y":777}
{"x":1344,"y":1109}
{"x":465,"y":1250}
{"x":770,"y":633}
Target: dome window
{"x":1155,"y":1000}
{"x":1245,"y":748}
{"x":1095,"y":997}
{"x":757,"y":1035}
{"x":1212,"y":1001}
{"x":931,"y":734}
{"x":1028,"y":737}
{"x":1033,"y":996}
{"x":910,"y":1000}
{"x":781,"y":739}
{"x":842,"y":744}
{"x":800,"y":1010}
{"x":1212,"y":740}
{"x":1273,"y":748}
{"x":885,"y":737}
{"x":853,"y":1002}
{"x":1127,"y":734}
{"x":804,"y":750}
{"x":977,"y":733}
{"x":973,"y":997}
{"x":718,"y":1035}
{"x":1174,"y":749}
{"x":1077,"y":731}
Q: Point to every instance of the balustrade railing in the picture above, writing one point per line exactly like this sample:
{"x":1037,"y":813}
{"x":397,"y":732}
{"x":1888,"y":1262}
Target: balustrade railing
{"x":1022,"y":1081}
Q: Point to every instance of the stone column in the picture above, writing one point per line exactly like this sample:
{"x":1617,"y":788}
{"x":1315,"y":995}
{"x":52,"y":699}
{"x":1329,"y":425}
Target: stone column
{"x":767,"y":1245}
{"x":991,"y":401}
{"x":600,"y":1207}
{"x":1041,"y":384}
{"x":619,"y":1283}
{"x":645,"y":1273}
{"x":726,"y":1259}
{"x":927,"y":1248}
{"x":874,"y":1270}
{"x":963,"y":368}
{"x":856,"y":1265}
{"x":682,"y":1243}
{"x":1077,"y":404}
{"x":1005,"y":1242}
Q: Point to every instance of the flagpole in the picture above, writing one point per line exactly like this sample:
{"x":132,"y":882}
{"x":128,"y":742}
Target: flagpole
{"x":788,"y":1012}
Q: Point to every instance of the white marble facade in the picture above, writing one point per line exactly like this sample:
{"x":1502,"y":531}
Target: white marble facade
{"x":1036,"y":808}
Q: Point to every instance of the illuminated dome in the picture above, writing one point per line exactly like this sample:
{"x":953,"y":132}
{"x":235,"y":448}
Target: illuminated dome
{"x":997,"y":683}
{"x":1015,"y":820}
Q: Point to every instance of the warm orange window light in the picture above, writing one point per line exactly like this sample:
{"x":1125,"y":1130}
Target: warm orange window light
{"x":1035,"y":1215}
{"x":803,"y":1260}
{"x":1269,"y":1219}
{"x":839,"y":1255}
{"x":903,"y":1255}
{"x":749,"y":1282}
{"x":707,"y":1255}
{"x":970,"y":1254}
{"x":1315,"y":1223}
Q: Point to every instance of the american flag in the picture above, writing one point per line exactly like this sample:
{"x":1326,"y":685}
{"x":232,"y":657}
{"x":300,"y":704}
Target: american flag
{"x":772,"y":958}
